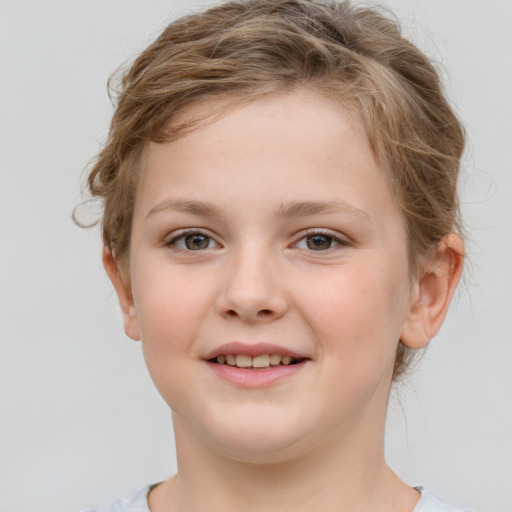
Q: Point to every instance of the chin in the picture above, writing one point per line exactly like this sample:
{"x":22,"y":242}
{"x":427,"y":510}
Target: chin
{"x":263,"y":440}
{"x":273,"y":452}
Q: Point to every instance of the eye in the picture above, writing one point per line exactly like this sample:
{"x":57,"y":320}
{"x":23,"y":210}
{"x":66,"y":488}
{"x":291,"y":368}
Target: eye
{"x":319,"y":241}
{"x":192,"y":241}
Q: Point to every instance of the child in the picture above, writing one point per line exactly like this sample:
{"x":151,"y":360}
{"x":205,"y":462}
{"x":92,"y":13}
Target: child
{"x":280,"y":225}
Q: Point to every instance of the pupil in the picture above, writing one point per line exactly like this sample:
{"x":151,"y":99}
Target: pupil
{"x":195,"y":242}
{"x":316,"y":242}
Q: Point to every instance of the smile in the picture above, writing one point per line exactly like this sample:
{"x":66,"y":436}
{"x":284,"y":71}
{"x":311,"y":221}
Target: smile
{"x":256,"y":362}
{"x":255,"y":365}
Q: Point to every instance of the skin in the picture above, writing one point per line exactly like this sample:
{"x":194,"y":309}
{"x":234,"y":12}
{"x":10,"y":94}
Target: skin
{"x":314,"y":440}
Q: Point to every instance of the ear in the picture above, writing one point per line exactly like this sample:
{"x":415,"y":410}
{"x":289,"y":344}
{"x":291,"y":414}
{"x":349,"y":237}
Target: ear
{"x":433,"y":293}
{"x":124,"y":294}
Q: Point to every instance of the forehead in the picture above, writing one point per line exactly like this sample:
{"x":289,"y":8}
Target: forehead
{"x":299,"y":144}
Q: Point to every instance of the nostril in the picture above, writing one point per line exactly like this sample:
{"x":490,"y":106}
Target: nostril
{"x":265,"y":312}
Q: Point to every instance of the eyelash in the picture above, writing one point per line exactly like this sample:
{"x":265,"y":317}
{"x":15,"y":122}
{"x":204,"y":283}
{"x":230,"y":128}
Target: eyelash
{"x":339,"y":242}
{"x":308,"y":234}
{"x":172,"y":243}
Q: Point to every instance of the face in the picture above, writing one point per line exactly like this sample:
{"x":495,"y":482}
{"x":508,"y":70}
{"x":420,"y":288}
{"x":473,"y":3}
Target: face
{"x":269,"y":278}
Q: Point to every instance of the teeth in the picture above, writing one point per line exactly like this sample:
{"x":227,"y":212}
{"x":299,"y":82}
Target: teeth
{"x":275,"y":359}
{"x":243,"y":361}
{"x":261,"y":361}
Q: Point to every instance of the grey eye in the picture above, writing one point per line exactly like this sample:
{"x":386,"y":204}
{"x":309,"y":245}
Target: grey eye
{"x":192,"y":241}
{"x":196,"y":241}
{"x":319,"y":242}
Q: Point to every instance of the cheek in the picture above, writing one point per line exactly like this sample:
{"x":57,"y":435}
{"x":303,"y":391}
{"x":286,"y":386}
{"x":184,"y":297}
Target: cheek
{"x":170,"y":305}
{"x":170,"y":310}
{"x":359,"y":313}
{"x":356,"y":323}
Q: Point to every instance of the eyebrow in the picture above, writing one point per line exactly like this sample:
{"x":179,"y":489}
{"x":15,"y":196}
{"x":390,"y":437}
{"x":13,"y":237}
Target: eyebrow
{"x":287,"y":210}
{"x":198,"y":208}
{"x":305,"y":208}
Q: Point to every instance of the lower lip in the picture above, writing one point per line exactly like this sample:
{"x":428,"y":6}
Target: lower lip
{"x":255,"y":378}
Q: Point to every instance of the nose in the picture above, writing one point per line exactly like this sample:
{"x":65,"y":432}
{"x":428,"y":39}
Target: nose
{"x":253,"y":288}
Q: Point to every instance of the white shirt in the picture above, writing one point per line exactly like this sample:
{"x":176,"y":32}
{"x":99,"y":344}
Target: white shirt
{"x":138,"y":502}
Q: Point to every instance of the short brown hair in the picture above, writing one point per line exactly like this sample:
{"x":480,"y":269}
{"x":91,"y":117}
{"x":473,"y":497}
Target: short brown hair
{"x":243,"y":50}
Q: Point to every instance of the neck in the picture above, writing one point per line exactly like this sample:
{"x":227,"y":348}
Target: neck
{"x":337,"y":475}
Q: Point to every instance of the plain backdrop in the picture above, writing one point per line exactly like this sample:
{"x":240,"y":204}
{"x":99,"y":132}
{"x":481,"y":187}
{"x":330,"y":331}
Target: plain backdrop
{"x":80,"y":421}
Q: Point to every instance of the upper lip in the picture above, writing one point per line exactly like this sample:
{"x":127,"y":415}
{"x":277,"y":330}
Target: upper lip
{"x":251,"y":349}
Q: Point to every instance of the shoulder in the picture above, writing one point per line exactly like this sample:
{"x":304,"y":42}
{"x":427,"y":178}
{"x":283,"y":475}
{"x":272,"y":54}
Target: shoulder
{"x":137,"y":502}
{"x":429,"y":503}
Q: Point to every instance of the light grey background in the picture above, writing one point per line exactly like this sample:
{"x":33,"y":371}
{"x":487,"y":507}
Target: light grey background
{"x":80,"y":421}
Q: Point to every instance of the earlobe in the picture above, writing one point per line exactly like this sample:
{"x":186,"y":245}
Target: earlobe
{"x":124,"y":294}
{"x":433,"y":293}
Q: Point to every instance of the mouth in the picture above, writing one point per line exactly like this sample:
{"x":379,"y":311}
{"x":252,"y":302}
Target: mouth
{"x":258,"y":362}
{"x":254,"y":365}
